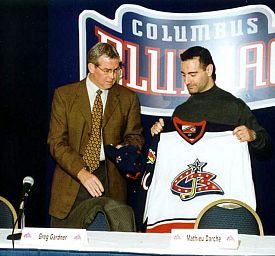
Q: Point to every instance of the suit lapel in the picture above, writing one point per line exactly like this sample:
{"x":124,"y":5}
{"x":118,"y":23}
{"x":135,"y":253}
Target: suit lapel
{"x":83,"y":102}
{"x":111,"y":104}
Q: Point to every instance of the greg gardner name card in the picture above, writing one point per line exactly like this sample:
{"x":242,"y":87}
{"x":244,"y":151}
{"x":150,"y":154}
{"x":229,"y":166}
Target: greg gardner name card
{"x":54,"y":237}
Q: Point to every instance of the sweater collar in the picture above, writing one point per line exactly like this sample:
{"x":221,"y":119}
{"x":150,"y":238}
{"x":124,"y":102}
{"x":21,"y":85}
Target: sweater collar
{"x":205,"y":93}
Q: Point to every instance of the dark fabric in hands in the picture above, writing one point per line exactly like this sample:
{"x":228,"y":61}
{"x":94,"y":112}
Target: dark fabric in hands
{"x":128,"y":159}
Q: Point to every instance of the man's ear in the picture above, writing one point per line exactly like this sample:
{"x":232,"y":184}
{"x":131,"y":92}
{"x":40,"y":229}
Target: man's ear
{"x":91,"y":68}
{"x":209,"y":69}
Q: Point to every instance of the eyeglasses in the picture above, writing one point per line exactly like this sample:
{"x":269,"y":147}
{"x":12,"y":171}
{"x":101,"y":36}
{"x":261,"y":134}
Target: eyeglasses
{"x":110,"y":71}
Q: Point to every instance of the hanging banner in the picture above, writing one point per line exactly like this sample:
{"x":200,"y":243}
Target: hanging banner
{"x":241,"y":41}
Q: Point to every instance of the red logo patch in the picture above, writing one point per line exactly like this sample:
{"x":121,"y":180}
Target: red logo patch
{"x":191,"y":132}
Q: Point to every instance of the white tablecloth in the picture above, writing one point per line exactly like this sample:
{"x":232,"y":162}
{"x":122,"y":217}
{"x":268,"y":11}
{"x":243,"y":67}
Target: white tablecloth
{"x":155,"y":243}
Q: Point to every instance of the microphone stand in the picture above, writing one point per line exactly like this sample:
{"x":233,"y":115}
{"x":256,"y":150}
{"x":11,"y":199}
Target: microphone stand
{"x":22,"y":220}
{"x":17,"y":236}
{"x":27,"y":184}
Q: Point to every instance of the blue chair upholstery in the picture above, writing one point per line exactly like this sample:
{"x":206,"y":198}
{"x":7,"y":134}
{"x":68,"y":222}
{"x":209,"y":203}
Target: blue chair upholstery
{"x":230,"y":214}
{"x":99,"y":223}
{"x":8,"y":214}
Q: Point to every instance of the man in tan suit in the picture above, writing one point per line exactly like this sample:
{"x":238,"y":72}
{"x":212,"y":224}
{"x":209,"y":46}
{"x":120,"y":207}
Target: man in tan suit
{"x":70,"y":130}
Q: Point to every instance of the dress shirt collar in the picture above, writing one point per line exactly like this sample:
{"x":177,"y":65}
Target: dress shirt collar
{"x":92,"y":89}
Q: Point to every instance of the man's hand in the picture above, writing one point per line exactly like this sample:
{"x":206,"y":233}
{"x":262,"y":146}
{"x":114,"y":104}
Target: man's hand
{"x":91,"y":183}
{"x":244,"y":134}
{"x":157,"y":127}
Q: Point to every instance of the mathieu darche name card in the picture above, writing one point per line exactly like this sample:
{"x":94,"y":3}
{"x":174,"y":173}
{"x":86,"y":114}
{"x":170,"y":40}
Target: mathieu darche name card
{"x":200,"y":238}
{"x":55,"y":237}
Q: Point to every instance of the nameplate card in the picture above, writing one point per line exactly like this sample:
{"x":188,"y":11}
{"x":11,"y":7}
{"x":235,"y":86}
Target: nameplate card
{"x":203,"y":238}
{"x":55,"y":237}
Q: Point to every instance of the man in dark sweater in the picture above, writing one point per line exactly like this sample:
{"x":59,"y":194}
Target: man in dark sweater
{"x":212,"y":104}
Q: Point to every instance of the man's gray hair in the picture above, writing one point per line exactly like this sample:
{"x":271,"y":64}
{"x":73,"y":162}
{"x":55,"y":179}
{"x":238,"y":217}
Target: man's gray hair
{"x":100,"y":49}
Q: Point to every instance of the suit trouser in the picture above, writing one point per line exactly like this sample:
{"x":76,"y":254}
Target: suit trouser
{"x":82,"y":195}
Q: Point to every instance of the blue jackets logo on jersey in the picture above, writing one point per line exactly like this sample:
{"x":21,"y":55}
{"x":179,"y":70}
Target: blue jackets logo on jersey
{"x":194,"y":182}
{"x":151,"y":158}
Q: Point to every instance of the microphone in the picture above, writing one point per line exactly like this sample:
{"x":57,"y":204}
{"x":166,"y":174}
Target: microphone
{"x":27,"y":184}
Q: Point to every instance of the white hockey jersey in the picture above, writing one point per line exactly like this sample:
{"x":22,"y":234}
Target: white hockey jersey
{"x":188,"y":176}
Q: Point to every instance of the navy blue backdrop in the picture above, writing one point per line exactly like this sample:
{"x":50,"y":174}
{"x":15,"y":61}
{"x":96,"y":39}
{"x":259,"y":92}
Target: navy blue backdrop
{"x":39,"y":52}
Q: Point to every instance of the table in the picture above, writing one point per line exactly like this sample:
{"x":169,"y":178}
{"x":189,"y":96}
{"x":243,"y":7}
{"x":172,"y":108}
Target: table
{"x":126,"y":243}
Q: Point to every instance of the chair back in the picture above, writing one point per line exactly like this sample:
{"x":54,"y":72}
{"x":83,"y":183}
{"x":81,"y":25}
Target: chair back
{"x":99,"y":223}
{"x":230,"y":214}
{"x":8,"y":214}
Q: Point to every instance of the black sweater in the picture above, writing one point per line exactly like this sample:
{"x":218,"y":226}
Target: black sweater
{"x":221,"y":107}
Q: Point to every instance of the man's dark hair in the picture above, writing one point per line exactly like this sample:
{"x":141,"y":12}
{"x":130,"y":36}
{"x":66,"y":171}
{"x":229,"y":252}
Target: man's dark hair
{"x":204,"y":55}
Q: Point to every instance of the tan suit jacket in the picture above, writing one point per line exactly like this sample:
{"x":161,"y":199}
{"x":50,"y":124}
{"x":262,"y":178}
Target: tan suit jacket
{"x":70,"y":127}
